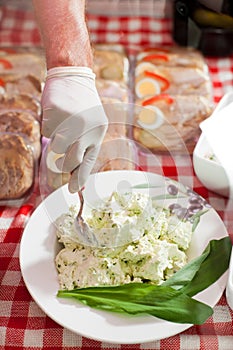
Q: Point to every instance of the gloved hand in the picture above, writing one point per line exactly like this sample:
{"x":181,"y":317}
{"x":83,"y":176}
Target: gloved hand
{"x":74,"y":119}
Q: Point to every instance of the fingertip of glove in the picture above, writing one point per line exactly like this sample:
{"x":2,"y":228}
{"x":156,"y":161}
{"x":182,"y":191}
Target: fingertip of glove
{"x":74,"y":185}
{"x":72,"y":189}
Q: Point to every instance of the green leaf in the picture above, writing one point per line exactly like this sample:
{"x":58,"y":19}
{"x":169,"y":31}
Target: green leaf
{"x":196,"y":219}
{"x":167,"y":196}
{"x":185,"y":275}
{"x":145,"y":185}
{"x":195,"y":223}
{"x":200,"y":213}
{"x":201,"y":272}
{"x":140,"y":299}
{"x":212,"y":268}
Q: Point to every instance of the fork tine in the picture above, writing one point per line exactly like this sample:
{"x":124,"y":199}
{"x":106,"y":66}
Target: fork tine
{"x":85,"y":234}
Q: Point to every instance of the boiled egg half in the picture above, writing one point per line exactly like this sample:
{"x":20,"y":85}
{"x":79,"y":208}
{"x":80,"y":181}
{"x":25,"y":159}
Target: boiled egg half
{"x":150,"y":117}
{"x":142,"y":67}
{"x":147,"y":87}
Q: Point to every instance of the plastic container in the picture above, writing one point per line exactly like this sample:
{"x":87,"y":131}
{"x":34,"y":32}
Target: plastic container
{"x":17,"y":169}
{"x":172,"y":95}
{"x":22,"y":71}
{"x":174,"y":70}
{"x":129,"y":8}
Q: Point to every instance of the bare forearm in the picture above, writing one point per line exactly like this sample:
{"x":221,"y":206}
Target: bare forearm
{"x":64,"y":32}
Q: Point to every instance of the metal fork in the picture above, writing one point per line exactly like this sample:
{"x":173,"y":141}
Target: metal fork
{"x":86,"y":236}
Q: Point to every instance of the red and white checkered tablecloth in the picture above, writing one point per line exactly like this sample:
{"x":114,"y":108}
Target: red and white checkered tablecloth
{"x":23,"y":325}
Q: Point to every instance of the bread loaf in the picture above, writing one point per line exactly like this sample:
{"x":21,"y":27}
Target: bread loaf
{"x":13,"y":84}
{"x":22,"y":123}
{"x":16,"y":167}
{"x":20,"y":102}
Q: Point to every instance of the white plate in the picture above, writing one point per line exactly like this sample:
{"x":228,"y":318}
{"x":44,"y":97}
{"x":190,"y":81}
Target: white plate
{"x":39,"y":247}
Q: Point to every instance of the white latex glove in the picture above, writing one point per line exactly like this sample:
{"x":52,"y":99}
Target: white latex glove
{"x":74,"y":119}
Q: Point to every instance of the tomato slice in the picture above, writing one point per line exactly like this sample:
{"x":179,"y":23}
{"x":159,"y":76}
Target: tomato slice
{"x":165,"y":82}
{"x":8,"y":50}
{"x":2,"y":83}
{"x":6,"y":64}
{"x":153,"y":99}
{"x":156,"y":56}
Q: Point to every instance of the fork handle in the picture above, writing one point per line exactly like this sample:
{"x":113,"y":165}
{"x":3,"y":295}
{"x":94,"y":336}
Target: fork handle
{"x":80,"y":194}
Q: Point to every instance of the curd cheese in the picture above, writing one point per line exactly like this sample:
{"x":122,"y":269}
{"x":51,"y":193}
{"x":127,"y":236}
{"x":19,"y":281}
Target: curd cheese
{"x":149,"y":244}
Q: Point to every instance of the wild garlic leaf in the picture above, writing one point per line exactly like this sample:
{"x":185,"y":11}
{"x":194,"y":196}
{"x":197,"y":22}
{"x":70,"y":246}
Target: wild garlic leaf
{"x":140,"y":299}
{"x":196,"y":219}
{"x":212,"y":268}
{"x":204,"y":270}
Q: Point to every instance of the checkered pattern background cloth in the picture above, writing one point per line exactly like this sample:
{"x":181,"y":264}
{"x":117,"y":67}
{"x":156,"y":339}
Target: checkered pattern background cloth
{"x":23,"y":325}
